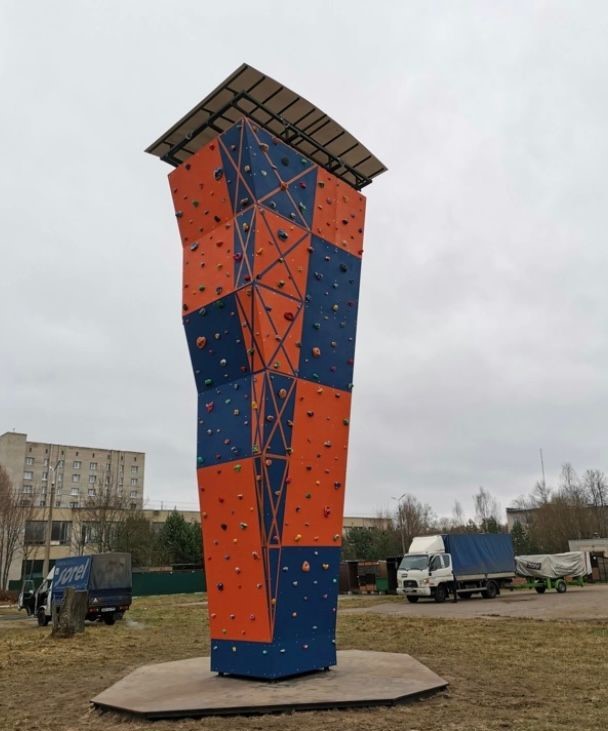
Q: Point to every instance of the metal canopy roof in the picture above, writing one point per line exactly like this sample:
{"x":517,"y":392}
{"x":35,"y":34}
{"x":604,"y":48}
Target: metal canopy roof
{"x":249,"y":92}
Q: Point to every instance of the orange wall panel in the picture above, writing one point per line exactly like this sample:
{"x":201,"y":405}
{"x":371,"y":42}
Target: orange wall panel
{"x":339,"y":214}
{"x":315,"y":498}
{"x":234,"y":556}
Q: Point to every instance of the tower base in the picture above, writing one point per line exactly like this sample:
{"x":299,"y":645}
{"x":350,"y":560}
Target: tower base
{"x":187,"y":688}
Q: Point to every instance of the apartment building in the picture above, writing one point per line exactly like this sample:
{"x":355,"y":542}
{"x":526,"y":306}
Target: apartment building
{"x":75,"y":475}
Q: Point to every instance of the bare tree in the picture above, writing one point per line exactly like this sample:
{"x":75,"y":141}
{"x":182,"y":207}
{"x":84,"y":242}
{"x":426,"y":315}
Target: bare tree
{"x":413,"y":519}
{"x":457,"y":513}
{"x":569,"y":482}
{"x":100,"y":517}
{"x":541,"y":495}
{"x":487,"y":511}
{"x":596,"y":487}
{"x":13,"y":514}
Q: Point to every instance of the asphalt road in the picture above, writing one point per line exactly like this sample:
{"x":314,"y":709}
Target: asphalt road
{"x":578,"y":603}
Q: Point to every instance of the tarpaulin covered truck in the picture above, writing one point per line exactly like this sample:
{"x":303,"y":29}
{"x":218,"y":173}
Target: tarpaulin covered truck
{"x":105,"y":576}
{"x":462,"y":563}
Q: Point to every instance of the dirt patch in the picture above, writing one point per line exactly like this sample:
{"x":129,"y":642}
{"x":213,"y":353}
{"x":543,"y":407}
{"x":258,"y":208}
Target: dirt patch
{"x":519,"y":674}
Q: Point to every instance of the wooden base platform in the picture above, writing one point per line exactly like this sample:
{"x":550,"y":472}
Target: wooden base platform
{"x":187,"y":688}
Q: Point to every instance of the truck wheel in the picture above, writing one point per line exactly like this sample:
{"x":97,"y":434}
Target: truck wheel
{"x":560,"y":586}
{"x":540,"y":588}
{"x":440,"y":594}
{"x":412,"y":599}
{"x":109,"y":618}
{"x":43,"y":620}
{"x":491,"y":590}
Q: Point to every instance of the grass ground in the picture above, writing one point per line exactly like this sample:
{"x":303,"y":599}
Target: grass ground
{"x":525,"y":675}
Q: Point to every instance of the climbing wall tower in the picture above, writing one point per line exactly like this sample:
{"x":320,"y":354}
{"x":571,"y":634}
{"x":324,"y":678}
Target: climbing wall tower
{"x":271,"y":224}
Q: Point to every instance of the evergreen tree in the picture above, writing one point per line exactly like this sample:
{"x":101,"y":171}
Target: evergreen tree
{"x":179,"y":541}
{"x":521,"y":539}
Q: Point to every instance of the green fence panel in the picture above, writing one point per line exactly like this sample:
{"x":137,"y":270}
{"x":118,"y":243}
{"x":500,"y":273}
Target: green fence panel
{"x":165,"y":582}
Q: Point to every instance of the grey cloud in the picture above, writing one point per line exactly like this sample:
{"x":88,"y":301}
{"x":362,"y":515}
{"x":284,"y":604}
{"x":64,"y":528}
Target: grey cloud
{"x":483,"y":304}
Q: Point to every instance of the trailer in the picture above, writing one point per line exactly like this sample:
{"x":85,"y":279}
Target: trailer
{"x":549,"y":570}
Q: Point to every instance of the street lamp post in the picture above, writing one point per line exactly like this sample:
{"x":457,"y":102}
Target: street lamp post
{"x":401,"y":523}
{"x":49,"y":522}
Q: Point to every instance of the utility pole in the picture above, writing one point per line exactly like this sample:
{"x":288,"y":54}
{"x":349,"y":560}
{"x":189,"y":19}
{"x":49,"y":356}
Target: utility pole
{"x":542,"y":467}
{"x":49,"y":521}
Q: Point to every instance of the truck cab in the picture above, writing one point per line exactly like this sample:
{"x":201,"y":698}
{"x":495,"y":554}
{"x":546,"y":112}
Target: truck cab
{"x":424,"y":568}
{"x":27,"y":597}
{"x":37,"y":602}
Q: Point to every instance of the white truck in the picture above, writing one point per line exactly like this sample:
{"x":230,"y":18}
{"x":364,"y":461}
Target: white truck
{"x":464,"y":564}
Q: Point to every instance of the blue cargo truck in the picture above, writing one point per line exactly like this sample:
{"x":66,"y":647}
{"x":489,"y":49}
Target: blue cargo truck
{"x":105,"y":576}
{"x":464,"y":564}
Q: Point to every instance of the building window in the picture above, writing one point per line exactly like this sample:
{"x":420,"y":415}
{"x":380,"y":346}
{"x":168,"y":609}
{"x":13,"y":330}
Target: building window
{"x":122,"y":469}
{"x":28,"y":475}
{"x":75,"y":478}
{"x":73,"y":505}
{"x":29,"y":461}
{"x":92,"y":479}
{"x":61,"y":531}
{"x":27,"y":489}
{"x":89,"y":533}
{"x":42,"y":504}
{"x":133,"y":481}
{"x":92,"y":492}
{"x":45,"y":475}
{"x":35,"y":530}
{"x":133,"y":493}
{"x":60,"y":478}
{"x":134,"y":469}
{"x":76,"y":465}
{"x":93,"y":466}
{"x":74,"y":491}
{"x":57,"y":503}
{"x":46,"y":461}
{"x":133,"y":506}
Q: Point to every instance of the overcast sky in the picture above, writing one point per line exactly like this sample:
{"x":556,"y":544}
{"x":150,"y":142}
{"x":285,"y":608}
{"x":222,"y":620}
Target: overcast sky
{"x":484,"y":296}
